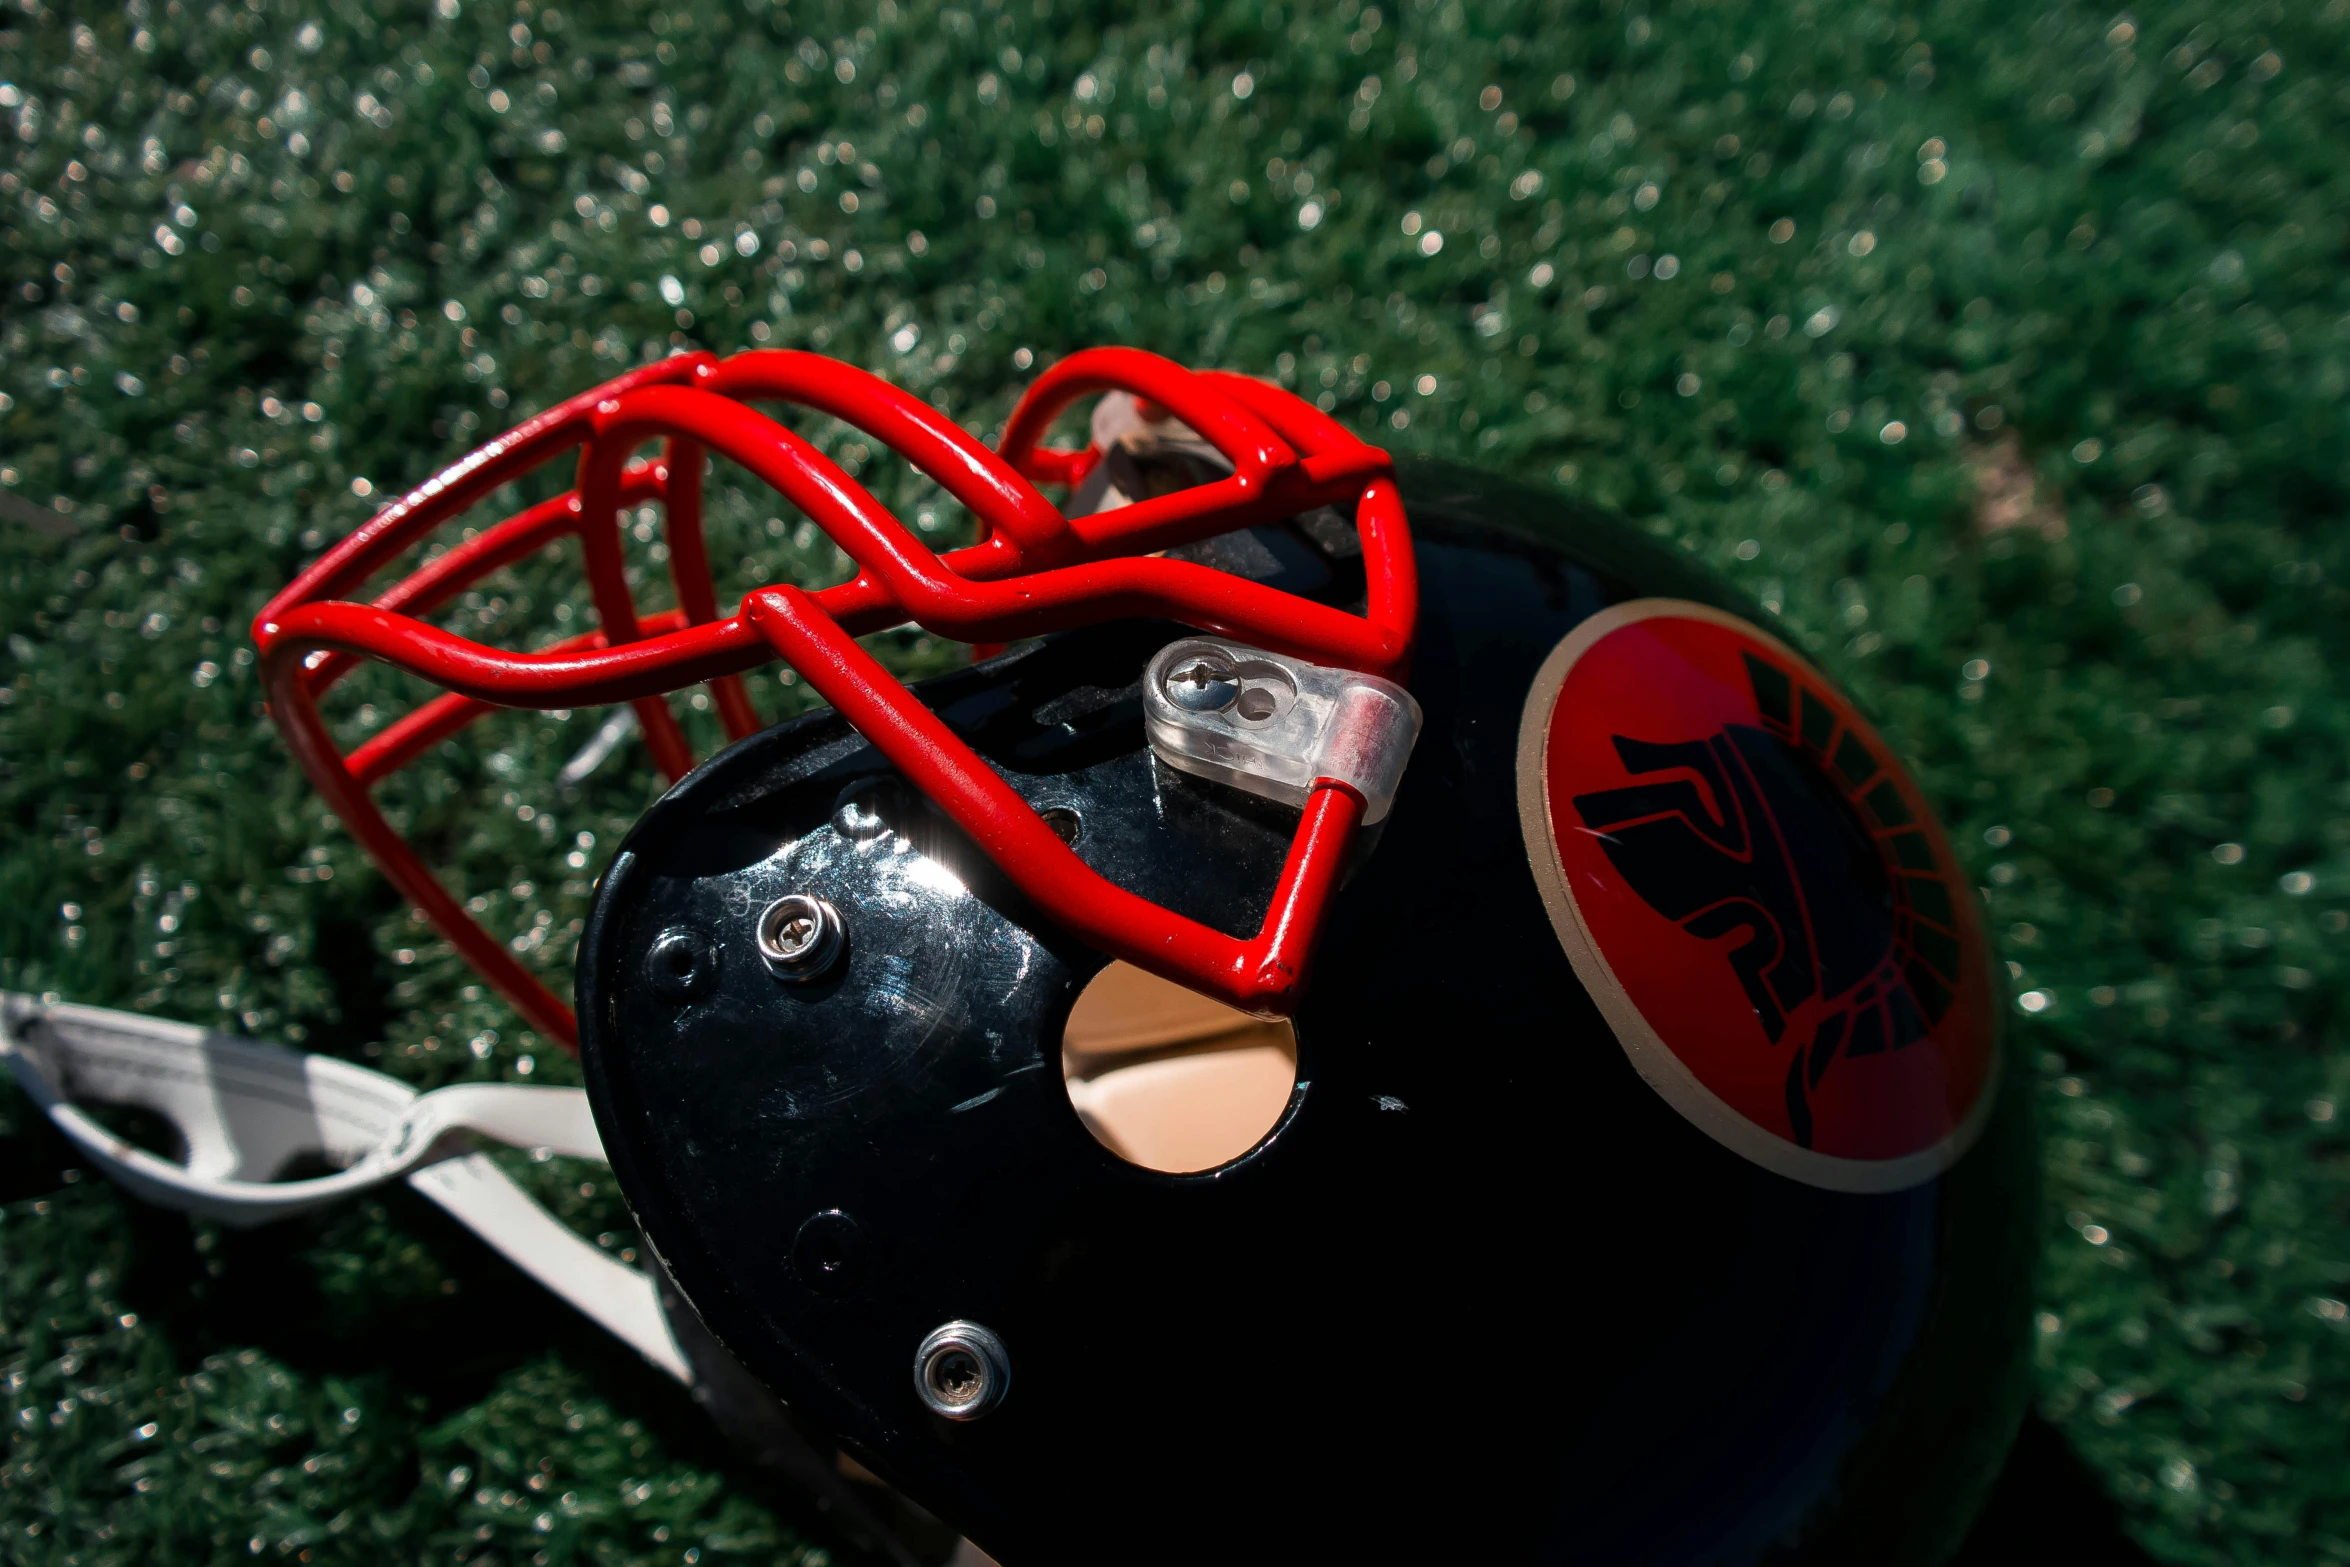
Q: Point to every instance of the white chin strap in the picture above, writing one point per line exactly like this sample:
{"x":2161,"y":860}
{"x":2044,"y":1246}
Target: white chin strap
{"x":246,"y":1111}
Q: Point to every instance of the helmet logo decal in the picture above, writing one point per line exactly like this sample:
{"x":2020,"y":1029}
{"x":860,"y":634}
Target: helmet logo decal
{"x":1755,"y":894}
{"x":1785,"y":884}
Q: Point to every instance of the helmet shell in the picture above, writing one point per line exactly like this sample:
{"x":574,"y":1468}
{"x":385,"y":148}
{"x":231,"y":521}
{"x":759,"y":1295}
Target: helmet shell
{"x":1482,"y":1288}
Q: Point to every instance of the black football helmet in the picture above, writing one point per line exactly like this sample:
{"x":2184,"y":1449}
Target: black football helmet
{"x":1631,"y":1176}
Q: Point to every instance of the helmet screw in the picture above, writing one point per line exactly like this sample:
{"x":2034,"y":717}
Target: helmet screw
{"x":961,"y":1371}
{"x":1203,"y":683}
{"x":683,"y":964}
{"x":800,"y":937}
{"x":863,"y":809}
{"x":825,"y":1251}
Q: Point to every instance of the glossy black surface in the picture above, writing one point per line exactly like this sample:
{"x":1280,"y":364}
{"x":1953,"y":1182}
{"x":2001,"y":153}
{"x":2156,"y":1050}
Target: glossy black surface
{"x":1481,"y":1292}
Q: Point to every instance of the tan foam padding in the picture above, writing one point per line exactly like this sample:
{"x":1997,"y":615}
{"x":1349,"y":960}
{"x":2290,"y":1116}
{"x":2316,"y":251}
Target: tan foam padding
{"x":1170,"y":1080}
{"x":1127,"y":1012}
{"x":1190,"y":1112}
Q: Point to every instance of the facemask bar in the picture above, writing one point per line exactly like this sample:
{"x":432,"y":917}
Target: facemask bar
{"x":1034,"y":571}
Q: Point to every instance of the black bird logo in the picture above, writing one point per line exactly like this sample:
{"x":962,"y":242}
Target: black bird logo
{"x":1789,"y":846}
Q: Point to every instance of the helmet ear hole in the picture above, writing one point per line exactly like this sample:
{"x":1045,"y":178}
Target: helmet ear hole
{"x":1169,"y":1080}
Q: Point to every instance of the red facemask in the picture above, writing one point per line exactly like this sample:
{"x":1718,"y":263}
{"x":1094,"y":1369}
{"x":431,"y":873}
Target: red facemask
{"x":1034,"y":571}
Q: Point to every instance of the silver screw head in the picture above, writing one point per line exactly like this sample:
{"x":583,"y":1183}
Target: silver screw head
{"x":961,"y":1371}
{"x":800,"y":937}
{"x":859,"y":814}
{"x":1202,"y":683}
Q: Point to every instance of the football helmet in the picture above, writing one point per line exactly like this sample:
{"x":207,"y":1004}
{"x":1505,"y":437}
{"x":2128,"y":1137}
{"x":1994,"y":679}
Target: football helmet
{"x":1389,"y":1014}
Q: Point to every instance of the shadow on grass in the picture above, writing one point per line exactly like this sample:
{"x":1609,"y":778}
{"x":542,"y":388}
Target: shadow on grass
{"x":2048,"y":1507}
{"x":386,"y":1288}
{"x":448,"y":1329}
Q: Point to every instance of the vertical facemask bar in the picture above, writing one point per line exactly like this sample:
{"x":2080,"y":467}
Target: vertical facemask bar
{"x":690,"y":575}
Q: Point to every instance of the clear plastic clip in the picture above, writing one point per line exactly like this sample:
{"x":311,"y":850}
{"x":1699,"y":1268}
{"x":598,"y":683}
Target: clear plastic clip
{"x":1278,"y":726}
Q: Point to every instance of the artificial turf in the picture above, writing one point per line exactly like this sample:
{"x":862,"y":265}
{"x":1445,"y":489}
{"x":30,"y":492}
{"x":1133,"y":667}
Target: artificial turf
{"x":1999,"y":350}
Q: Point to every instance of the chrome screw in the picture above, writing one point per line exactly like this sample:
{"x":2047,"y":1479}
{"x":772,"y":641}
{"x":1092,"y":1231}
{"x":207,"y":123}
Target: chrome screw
{"x":800,"y":937}
{"x":858,"y":814}
{"x":961,"y":1371}
{"x":1203,"y":683}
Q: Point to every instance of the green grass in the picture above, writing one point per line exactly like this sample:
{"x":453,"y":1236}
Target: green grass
{"x":2117,"y":241}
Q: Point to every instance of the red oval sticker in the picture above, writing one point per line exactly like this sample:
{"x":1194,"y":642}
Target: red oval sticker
{"x":1755,"y":893}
